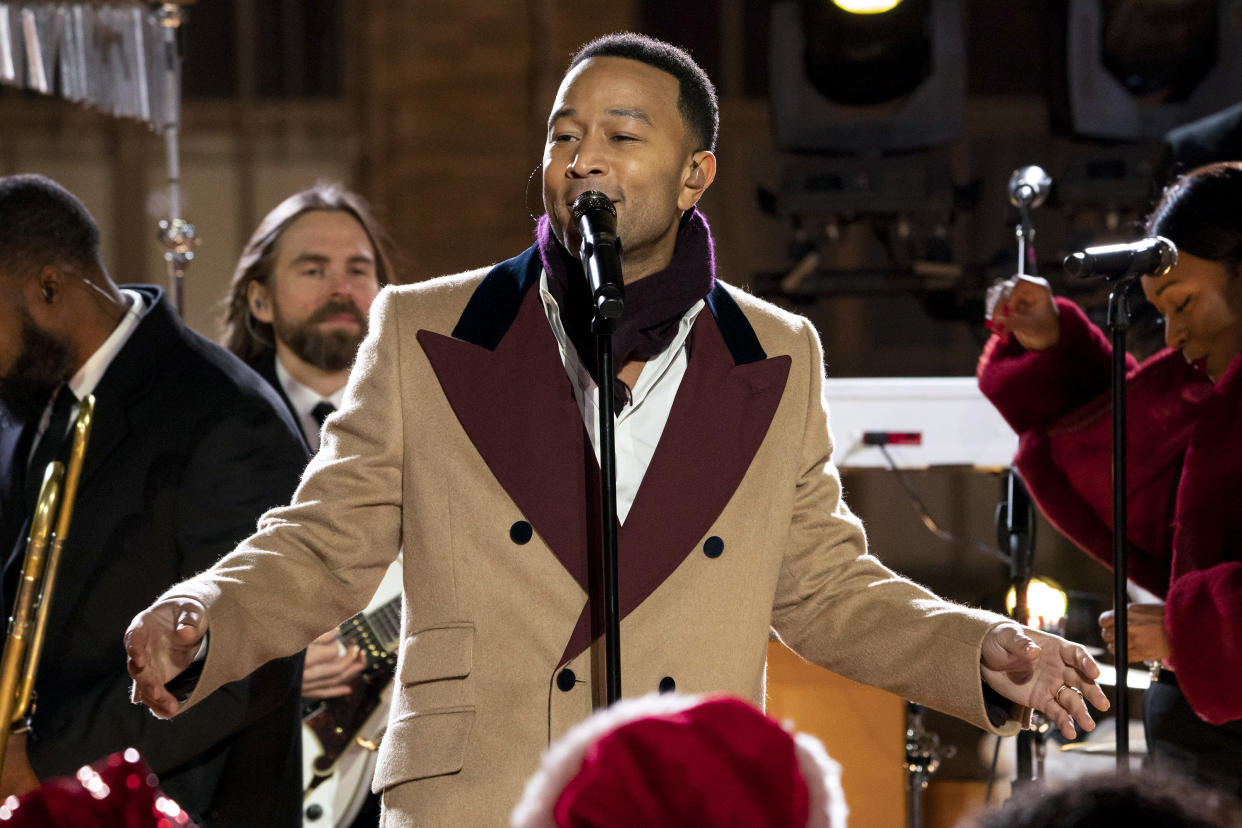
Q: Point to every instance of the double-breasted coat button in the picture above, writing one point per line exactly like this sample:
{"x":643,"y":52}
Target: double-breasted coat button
{"x":520,"y":532}
{"x":713,"y":547}
{"x":667,"y":685}
{"x":565,"y":680}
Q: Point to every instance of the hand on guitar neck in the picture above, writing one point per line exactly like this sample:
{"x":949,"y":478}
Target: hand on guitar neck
{"x":330,"y":667}
{"x":340,"y":733}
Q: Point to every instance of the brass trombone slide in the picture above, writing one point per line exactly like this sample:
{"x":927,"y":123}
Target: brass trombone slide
{"x":24,"y":643}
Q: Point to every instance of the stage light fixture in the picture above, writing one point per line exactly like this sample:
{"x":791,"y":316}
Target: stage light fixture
{"x":864,"y":59}
{"x":861,"y":104}
{"x":866,"y":6}
{"x":1138,"y":68}
{"x":848,"y":82}
{"x":1159,"y":49}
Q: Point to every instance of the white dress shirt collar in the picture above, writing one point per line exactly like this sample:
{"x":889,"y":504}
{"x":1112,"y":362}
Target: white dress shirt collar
{"x":88,"y":376}
{"x":304,"y":399}
{"x":641,"y":422}
{"x":652,"y":372}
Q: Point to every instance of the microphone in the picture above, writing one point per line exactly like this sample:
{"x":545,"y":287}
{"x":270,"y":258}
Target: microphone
{"x":1153,"y":256}
{"x":1029,"y":186}
{"x":600,"y":252}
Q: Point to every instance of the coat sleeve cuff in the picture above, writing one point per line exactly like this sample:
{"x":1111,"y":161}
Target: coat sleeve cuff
{"x":1001,"y":711}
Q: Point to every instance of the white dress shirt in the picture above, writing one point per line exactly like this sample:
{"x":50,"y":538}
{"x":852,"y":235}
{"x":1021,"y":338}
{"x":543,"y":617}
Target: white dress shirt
{"x":641,"y":422}
{"x":304,"y":400}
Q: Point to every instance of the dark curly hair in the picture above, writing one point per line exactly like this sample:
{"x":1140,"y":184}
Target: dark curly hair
{"x":696,"y":100}
{"x":41,"y":223}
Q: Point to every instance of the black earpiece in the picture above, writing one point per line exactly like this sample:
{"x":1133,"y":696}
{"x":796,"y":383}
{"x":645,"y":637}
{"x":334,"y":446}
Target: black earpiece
{"x":47,"y":294}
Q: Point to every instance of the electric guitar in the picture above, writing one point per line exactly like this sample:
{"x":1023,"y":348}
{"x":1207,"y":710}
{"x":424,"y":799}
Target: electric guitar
{"x":340,"y":736}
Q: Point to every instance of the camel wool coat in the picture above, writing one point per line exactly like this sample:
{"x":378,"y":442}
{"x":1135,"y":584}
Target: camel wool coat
{"x":460,"y":441}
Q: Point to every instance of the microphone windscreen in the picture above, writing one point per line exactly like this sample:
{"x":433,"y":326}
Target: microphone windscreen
{"x":591,"y":200}
{"x":1029,"y":185}
{"x":1077,"y":266}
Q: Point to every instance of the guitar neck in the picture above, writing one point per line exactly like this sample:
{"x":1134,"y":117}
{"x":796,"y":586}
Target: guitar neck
{"x":376,"y":632}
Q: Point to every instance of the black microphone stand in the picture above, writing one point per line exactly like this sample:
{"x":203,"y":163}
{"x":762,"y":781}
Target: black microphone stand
{"x":1118,"y":322}
{"x":603,"y":327}
{"x":600,"y":253}
{"x":1027,"y":189}
{"x":1124,"y":264}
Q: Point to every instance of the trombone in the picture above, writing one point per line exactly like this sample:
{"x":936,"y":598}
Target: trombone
{"x":27,"y":625}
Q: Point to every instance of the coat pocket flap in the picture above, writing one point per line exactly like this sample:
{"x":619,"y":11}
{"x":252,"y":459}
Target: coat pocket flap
{"x":423,"y":745}
{"x":444,"y":652}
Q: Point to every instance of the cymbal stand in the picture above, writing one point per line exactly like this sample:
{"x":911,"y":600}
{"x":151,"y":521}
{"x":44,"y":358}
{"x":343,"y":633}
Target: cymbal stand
{"x":176,"y":234}
{"x":923,"y":755}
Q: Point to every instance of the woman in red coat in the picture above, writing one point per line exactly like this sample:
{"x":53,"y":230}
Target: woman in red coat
{"x":1046,"y":368}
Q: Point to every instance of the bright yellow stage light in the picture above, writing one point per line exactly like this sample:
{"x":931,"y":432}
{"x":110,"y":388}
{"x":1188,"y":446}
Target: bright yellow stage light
{"x":1046,"y":602}
{"x":866,"y":6}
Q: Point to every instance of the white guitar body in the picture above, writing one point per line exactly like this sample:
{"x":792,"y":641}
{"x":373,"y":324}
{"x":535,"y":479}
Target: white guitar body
{"x":336,"y":800}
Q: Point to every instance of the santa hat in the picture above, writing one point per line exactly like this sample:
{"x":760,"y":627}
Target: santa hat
{"x":668,"y":760}
{"x":118,"y":791}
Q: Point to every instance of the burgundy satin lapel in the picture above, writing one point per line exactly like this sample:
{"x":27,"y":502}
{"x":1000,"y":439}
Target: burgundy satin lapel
{"x":720,"y":417}
{"x":518,"y":409}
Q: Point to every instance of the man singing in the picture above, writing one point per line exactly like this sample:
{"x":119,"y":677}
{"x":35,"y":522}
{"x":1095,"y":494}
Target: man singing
{"x":467,"y":436}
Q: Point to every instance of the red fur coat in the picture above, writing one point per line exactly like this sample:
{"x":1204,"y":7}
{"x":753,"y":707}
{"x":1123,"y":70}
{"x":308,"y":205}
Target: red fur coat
{"x":1184,"y":483}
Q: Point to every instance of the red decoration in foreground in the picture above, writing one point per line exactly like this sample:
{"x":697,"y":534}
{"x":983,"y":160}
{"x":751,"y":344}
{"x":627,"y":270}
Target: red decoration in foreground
{"x":117,"y":792}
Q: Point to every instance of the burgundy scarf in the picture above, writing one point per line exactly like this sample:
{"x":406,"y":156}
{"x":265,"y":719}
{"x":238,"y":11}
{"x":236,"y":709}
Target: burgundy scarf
{"x":654,"y":305}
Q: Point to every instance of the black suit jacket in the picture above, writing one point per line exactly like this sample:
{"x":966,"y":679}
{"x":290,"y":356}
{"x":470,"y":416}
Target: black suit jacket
{"x":189,"y":448}
{"x":266,"y":368}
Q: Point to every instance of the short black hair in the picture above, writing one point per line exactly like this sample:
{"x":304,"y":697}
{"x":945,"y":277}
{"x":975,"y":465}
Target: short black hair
{"x":41,"y":223}
{"x":1201,"y":213}
{"x":696,"y":100}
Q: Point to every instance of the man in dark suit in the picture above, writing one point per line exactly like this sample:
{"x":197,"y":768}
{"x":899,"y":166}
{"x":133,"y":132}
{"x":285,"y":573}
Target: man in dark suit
{"x":188,"y":448}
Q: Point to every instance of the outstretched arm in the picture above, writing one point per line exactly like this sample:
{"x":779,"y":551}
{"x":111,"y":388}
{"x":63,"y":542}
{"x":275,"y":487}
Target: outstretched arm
{"x":840,"y":607}
{"x":323,"y":556}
